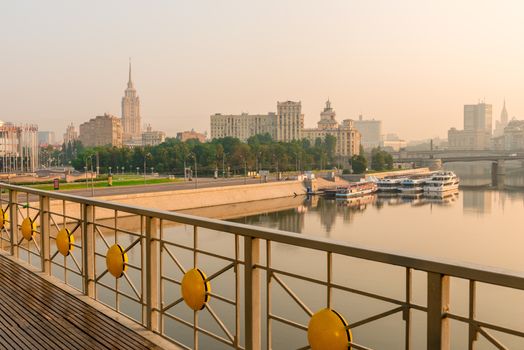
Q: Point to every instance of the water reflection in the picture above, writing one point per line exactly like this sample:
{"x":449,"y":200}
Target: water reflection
{"x":477,"y":224}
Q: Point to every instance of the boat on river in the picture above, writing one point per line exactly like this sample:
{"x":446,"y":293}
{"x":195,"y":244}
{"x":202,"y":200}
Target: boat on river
{"x":441,"y":183}
{"x":356,"y":189}
{"x":389,"y":184}
{"x":412,"y":186}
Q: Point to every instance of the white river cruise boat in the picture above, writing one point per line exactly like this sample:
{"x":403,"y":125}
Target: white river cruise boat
{"x":389,"y":185}
{"x":412,"y":186}
{"x":356,"y":189}
{"x":441,"y":182}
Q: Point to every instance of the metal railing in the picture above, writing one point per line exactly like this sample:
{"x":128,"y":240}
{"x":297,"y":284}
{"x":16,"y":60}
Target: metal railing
{"x":160,"y":246}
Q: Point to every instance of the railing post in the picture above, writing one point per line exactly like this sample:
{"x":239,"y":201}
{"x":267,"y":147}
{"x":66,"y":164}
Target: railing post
{"x":252,"y":293}
{"x":438,"y":305}
{"x":88,"y":249}
{"x":13,"y":222}
{"x":472,"y":332}
{"x":151,"y":275}
{"x":45,"y":250}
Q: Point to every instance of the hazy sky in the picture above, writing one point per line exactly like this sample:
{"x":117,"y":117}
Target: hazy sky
{"x":412,"y":64}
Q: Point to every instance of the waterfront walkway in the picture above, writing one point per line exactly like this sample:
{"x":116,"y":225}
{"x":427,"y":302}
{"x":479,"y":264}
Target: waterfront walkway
{"x":35,"y":314}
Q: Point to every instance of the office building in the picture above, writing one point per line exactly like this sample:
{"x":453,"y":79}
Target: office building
{"x":392,"y":142}
{"x":512,"y":138}
{"x":104,"y":130}
{"x":285,"y":125}
{"x":151,"y":137}
{"x":290,"y":121}
{"x":46,"y":138}
{"x":189,"y":135}
{"x":370,"y":132}
{"x":242,"y":126}
{"x":477,"y":131}
{"x":348,"y":137}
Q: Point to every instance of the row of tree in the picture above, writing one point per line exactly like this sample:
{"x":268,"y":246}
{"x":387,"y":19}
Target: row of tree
{"x":227,"y":155}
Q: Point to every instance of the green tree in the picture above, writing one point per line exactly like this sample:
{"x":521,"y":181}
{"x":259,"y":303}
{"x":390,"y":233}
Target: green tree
{"x":359,"y":164}
{"x":381,"y":160}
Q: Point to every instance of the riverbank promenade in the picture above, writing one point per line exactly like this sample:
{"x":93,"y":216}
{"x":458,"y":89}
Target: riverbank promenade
{"x":83,"y":273}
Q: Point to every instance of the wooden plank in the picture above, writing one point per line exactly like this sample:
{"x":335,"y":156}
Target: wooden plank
{"x":77,"y":311}
{"x":35,"y":314}
{"x":83,"y":317}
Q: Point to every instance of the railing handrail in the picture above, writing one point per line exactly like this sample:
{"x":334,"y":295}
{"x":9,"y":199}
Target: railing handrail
{"x":469,"y":271}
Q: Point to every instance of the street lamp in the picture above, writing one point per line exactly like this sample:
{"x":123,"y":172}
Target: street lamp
{"x":85,"y":172}
{"x":137,"y":170}
{"x":147,"y":155}
{"x":110,"y":170}
{"x":196,"y":170}
{"x":152,"y":171}
{"x":245,"y":171}
{"x":224,"y":165}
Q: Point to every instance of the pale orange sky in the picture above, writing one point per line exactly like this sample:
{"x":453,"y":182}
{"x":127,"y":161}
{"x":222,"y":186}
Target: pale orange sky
{"x":412,"y":64}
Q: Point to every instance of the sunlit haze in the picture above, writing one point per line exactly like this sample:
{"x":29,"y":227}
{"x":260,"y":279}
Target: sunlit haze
{"x":412,"y":64}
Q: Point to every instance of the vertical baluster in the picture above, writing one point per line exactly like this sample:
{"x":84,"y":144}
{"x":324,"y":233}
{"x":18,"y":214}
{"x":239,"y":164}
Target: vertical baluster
{"x":237,"y":292}
{"x":329,"y":278}
{"x":13,"y":222}
{"x":406,"y":315}
{"x":268,"y":294}
{"x":438,"y":305}
{"x":195,"y":262}
{"x":472,"y":333}
{"x":45,"y":227}
{"x":88,"y":250}
{"x":151,"y":273}
{"x":252,"y":293}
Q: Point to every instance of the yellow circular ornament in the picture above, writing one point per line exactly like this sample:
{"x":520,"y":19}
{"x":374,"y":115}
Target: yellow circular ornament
{"x":28,"y":228}
{"x":3,"y":218}
{"x":65,"y":241}
{"x":327,"y":329}
{"x":116,"y":260}
{"x":195,"y":289}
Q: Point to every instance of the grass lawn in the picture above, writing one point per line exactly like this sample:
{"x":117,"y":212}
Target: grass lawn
{"x":120,"y":180}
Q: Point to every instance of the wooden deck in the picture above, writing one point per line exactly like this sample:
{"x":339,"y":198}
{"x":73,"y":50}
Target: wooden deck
{"x":35,"y":314}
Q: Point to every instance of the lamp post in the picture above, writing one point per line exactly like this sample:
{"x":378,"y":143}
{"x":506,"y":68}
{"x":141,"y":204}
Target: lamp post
{"x":85,"y":172}
{"x":152,"y":171}
{"x":110,"y":170}
{"x":92,"y":179}
{"x":147,"y":155}
{"x":196,"y":171}
{"x":224,"y":165}
{"x":137,"y":170}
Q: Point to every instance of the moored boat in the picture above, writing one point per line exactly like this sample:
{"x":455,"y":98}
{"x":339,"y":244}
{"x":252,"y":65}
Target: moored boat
{"x":412,"y":186}
{"x":389,"y":184}
{"x":356,"y":189}
{"x":441,"y":182}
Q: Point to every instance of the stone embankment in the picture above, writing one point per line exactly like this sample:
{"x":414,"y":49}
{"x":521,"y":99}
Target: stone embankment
{"x":195,"y":198}
{"x":383,"y":174}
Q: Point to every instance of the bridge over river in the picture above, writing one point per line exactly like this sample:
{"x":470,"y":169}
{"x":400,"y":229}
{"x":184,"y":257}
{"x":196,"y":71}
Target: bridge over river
{"x":73,"y":280}
{"x":435,"y":159}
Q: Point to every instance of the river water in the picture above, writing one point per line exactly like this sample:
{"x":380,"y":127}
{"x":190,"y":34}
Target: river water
{"x":480,"y":224}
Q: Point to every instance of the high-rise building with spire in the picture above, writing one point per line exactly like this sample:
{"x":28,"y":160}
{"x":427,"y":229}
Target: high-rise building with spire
{"x":131,"y":122}
{"x":502,"y":123}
